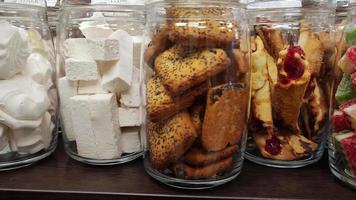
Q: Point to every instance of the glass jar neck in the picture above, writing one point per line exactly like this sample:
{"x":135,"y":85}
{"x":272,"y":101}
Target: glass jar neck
{"x":23,"y":12}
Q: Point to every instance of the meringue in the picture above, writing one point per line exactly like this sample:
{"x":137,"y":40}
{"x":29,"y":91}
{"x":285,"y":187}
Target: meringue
{"x":30,"y":141}
{"x":21,"y":98}
{"x":4,"y":140}
{"x":96,"y":27}
{"x":14,"y":49}
{"x":39,"y":69}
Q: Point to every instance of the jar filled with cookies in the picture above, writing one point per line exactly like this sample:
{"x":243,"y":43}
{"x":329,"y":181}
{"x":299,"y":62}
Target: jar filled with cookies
{"x":99,"y":52}
{"x":342,"y":141}
{"x":28,"y":96}
{"x":292,"y":61}
{"x":196,"y":65}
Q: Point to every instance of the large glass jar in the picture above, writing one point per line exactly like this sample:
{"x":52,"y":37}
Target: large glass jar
{"x":292,"y":61}
{"x":342,"y":141}
{"x":28,"y":96}
{"x":99,"y":51}
{"x":197,"y":93}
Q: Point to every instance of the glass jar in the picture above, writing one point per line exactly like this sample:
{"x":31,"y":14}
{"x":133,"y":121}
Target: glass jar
{"x":292,"y":63}
{"x":99,"y":51}
{"x":342,"y":141}
{"x":198,"y":88}
{"x":28,"y":95}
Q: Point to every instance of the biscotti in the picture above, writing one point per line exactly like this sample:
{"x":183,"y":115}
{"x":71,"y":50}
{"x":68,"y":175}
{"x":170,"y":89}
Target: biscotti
{"x":204,"y":27}
{"x":180,"y":69}
{"x":224,"y":120}
{"x":185,"y":171}
{"x":170,"y":139}
{"x":161,"y":105}
{"x":199,"y":157}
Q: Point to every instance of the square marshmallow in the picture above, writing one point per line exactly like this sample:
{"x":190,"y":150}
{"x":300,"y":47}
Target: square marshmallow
{"x":84,"y":70}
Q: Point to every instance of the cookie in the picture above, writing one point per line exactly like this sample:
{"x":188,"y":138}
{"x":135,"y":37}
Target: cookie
{"x":225,"y":116}
{"x":199,"y":157}
{"x":240,"y":61}
{"x":272,"y":39}
{"x":180,"y":69}
{"x":170,"y":139}
{"x":197,"y":114}
{"x":158,"y":44}
{"x":202,"y":27}
{"x":185,"y":171}
{"x":160,"y":104}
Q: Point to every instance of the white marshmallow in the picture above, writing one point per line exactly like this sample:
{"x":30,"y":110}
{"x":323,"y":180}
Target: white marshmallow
{"x":39,"y":69}
{"x":130,"y":140}
{"x":129,"y":117}
{"x":97,"y":130}
{"x":131,"y":97}
{"x":137,"y":46}
{"x":117,"y":77}
{"x":22,"y":99}
{"x":104,"y":49}
{"x":95,"y":27}
{"x":91,"y":87}
{"x":66,"y":90}
{"x":78,"y":48}
{"x":14,"y":49}
{"x":85,"y":70}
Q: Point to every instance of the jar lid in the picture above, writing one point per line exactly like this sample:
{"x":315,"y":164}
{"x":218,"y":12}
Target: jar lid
{"x":271,"y":4}
{"x":38,"y":3}
{"x":104,"y":2}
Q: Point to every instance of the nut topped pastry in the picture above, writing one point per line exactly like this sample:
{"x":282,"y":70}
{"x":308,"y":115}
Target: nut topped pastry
{"x":181,"y":69}
{"x":198,"y":96}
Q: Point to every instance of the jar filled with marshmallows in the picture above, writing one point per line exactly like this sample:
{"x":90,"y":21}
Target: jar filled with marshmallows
{"x":99,"y":80}
{"x":28,"y":96}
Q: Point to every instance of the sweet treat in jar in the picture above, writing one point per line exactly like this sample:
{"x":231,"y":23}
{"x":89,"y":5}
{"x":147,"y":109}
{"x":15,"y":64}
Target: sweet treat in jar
{"x":223,"y":123}
{"x":179,"y":69}
{"x":206,"y":26}
{"x":199,"y":55}
{"x":101,"y":84}
{"x":27,"y":106}
{"x":291,"y":84}
{"x":343,"y":139}
{"x":170,"y":139}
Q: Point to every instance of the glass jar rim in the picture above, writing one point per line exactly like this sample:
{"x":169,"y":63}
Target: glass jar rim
{"x":198,"y":2}
{"x":40,"y":4}
{"x":138,"y":3}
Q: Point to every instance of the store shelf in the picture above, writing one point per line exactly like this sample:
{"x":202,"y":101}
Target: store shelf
{"x":59,"y":177}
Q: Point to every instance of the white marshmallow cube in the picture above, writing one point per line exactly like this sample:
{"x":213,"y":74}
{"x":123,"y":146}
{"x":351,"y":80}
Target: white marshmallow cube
{"x":131,"y":97}
{"x":97,"y":129}
{"x":130,"y":140}
{"x":78,"y":48}
{"x":104,"y":49}
{"x":129,"y":117}
{"x":91,"y":87}
{"x":66,"y":90}
{"x":117,"y":77}
{"x":84,"y":70}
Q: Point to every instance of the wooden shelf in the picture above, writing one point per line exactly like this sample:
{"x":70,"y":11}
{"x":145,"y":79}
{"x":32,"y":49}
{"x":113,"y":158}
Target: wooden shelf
{"x":59,"y":177}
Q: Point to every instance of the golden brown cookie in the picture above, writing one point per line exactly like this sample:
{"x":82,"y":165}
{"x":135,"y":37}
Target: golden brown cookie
{"x":170,"y":139}
{"x":180,"y":69}
{"x":199,"y":157}
{"x":158,"y":44}
{"x":197,"y":113}
{"x":225,"y":116}
{"x":240,"y":62}
{"x":313,"y":49}
{"x":286,"y":152}
{"x":161,"y":105}
{"x":185,"y":171}
{"x":202,"y":27}
{"x":272,"y":39}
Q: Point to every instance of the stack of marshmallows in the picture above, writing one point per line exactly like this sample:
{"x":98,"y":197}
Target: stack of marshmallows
{"x":27,"y":94}
{"x":100,"y":92}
